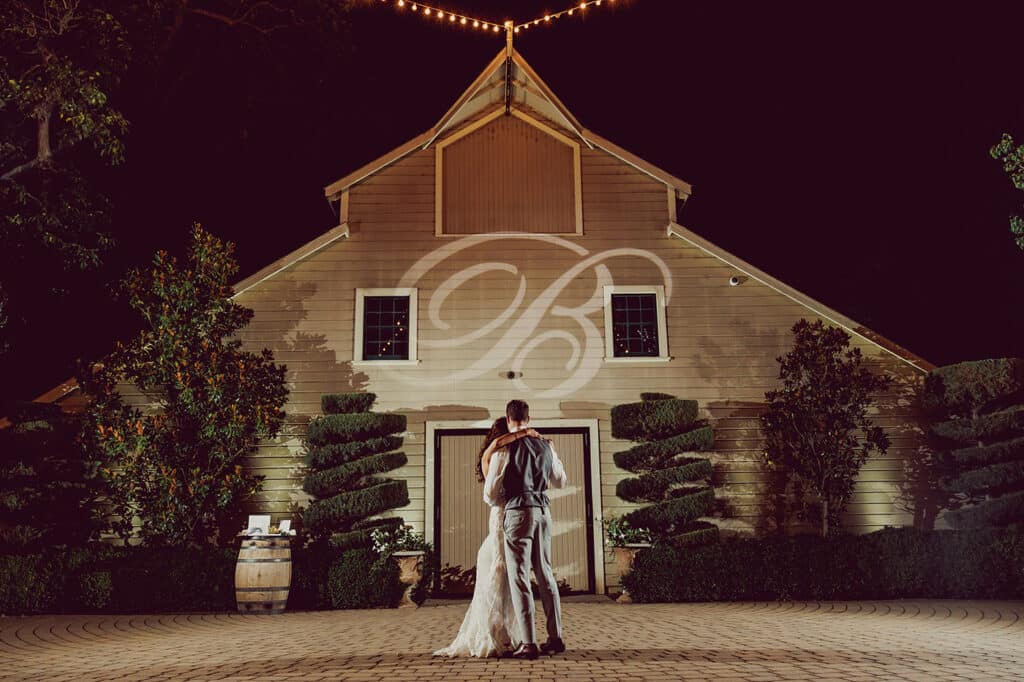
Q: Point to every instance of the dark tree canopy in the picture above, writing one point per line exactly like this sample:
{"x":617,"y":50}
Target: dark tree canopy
{"x":817,"y":429}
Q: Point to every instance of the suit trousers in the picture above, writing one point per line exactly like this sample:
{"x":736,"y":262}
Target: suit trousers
{"x":528,"y":543}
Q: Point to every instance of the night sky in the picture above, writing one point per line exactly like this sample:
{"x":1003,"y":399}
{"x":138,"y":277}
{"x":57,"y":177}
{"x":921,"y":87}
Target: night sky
{"x":840,"y":147}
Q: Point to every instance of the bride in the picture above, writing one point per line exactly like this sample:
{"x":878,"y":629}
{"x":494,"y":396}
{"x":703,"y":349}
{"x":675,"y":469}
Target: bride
{"x":489,"y":627}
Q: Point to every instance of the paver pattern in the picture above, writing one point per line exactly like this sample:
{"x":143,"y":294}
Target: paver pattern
{"x":860,"y":641}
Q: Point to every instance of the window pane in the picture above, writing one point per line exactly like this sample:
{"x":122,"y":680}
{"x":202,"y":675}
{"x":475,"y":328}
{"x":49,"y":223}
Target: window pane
{"x":635,"y":325}
{"x":386,"y":328}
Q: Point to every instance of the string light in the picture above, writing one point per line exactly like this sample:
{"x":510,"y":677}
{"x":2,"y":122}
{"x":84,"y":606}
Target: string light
{"x":464,"y":20}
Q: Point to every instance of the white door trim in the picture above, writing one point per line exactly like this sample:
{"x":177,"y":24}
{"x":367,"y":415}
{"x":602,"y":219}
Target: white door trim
{"x":539,"y":424}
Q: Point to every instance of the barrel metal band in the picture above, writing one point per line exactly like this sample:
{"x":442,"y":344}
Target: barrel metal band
{"x":264,"y":561}
{"x":262,"y":589}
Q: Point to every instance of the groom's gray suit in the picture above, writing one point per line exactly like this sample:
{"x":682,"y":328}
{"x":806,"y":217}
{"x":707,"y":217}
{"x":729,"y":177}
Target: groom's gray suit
{"x":532,"y":466}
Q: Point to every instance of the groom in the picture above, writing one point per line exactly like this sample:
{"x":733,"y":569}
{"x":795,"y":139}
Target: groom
{"x":532,"y":466}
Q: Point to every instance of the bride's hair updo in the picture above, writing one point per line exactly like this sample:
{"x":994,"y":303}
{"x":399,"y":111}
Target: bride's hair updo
{"x":498,"y":429}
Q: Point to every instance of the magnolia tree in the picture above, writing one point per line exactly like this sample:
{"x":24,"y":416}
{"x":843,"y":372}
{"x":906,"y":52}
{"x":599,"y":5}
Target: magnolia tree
{"x":174,"y":463}
{"x":816,"y":427}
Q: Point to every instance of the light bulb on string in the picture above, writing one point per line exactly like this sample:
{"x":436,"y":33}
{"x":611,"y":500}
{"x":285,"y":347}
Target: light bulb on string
{"x":508,"y":26}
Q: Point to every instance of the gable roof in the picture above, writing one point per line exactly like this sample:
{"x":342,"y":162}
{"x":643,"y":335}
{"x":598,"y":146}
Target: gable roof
{"x":526,"y":91}
{"x":530,"y":92}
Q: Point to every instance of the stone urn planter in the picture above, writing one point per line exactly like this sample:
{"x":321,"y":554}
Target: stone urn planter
{"x":410,"y":566}
{"x":624,"y":556}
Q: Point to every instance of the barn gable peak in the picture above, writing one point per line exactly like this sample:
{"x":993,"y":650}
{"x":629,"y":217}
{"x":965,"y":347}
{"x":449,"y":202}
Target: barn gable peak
{"x":508,"y":80}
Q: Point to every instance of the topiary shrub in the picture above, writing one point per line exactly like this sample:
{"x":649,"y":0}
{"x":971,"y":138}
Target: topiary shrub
{"x":978,"y":428}
{"x":347,"y":449}
{"x":672,"y":482}
{"x":357,"y":579}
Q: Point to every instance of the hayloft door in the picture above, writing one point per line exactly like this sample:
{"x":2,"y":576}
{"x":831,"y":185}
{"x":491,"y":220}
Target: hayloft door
{"x":460,"y":515}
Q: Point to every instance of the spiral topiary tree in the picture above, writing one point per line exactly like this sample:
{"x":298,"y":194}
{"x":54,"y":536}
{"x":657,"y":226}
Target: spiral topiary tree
{"x":674,"y":483}
{"x":978,"y":412}
{"x":346,"y":449}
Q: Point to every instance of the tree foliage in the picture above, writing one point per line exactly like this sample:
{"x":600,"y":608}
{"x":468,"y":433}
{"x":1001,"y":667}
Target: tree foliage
{"x":1011,"y":156}
{"x":48,"y":487}
{"x":60,"y":60}
{"x":816,"y":427}
{"x":174,"y":462}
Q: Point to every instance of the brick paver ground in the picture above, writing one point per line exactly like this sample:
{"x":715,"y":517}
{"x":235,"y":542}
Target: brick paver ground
{"x":941,"y":640}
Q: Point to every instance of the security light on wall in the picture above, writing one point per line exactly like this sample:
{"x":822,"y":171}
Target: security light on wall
{"x":734,"y":280}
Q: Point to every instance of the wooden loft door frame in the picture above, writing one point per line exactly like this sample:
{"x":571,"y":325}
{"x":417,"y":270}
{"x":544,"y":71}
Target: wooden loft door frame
{"x":588,"y":428}
{"x":439,"y":147}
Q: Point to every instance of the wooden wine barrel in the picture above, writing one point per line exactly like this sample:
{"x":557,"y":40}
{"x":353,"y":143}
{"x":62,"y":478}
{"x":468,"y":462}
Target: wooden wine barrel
{"x":263,"y":575}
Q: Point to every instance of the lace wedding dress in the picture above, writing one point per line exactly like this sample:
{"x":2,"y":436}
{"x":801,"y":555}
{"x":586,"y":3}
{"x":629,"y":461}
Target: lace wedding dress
{"x":489,"y":627}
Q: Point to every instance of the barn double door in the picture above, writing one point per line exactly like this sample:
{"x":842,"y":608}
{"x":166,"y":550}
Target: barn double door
{"x":460,"y":515}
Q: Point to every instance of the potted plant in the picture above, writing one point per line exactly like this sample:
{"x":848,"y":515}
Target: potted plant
{"x":626,"y":541}
{"x":408,"y":548}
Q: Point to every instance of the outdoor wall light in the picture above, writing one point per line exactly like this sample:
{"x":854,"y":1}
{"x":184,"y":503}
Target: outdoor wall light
{"x":734,"y":280}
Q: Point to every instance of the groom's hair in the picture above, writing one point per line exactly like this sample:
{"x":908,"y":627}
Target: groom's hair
{"x":517,"y":410}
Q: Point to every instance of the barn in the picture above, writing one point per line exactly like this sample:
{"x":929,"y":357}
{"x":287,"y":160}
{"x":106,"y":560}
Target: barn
{"x":510,"y":252}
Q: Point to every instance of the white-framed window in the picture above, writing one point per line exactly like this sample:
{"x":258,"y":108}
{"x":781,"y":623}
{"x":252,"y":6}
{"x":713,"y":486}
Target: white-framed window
{"x":385,"y":327}
{"x":634,"y":324}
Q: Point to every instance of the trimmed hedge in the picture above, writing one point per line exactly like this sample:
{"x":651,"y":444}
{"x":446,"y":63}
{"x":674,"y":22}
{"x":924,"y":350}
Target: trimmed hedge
{"x":1002,"y":424}
{"x":652,"y":419}
{"x":333,"y":481}
{"x":118,"y":580}
{"x":334,"y":454}
{"x":899,"y":563}
{"x":356,"y":579}
{"x":104,"y":578}
{"x":342,"y":403}
{"x":350,"y":506}
{"x":325,"y":578}
{"x":658,"y":454}
{"x":345,"y":428}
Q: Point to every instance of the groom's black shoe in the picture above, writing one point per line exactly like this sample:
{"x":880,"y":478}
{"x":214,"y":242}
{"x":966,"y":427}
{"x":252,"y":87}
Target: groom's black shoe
{"x":528,"y":652}
{"x":553,"y":646}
